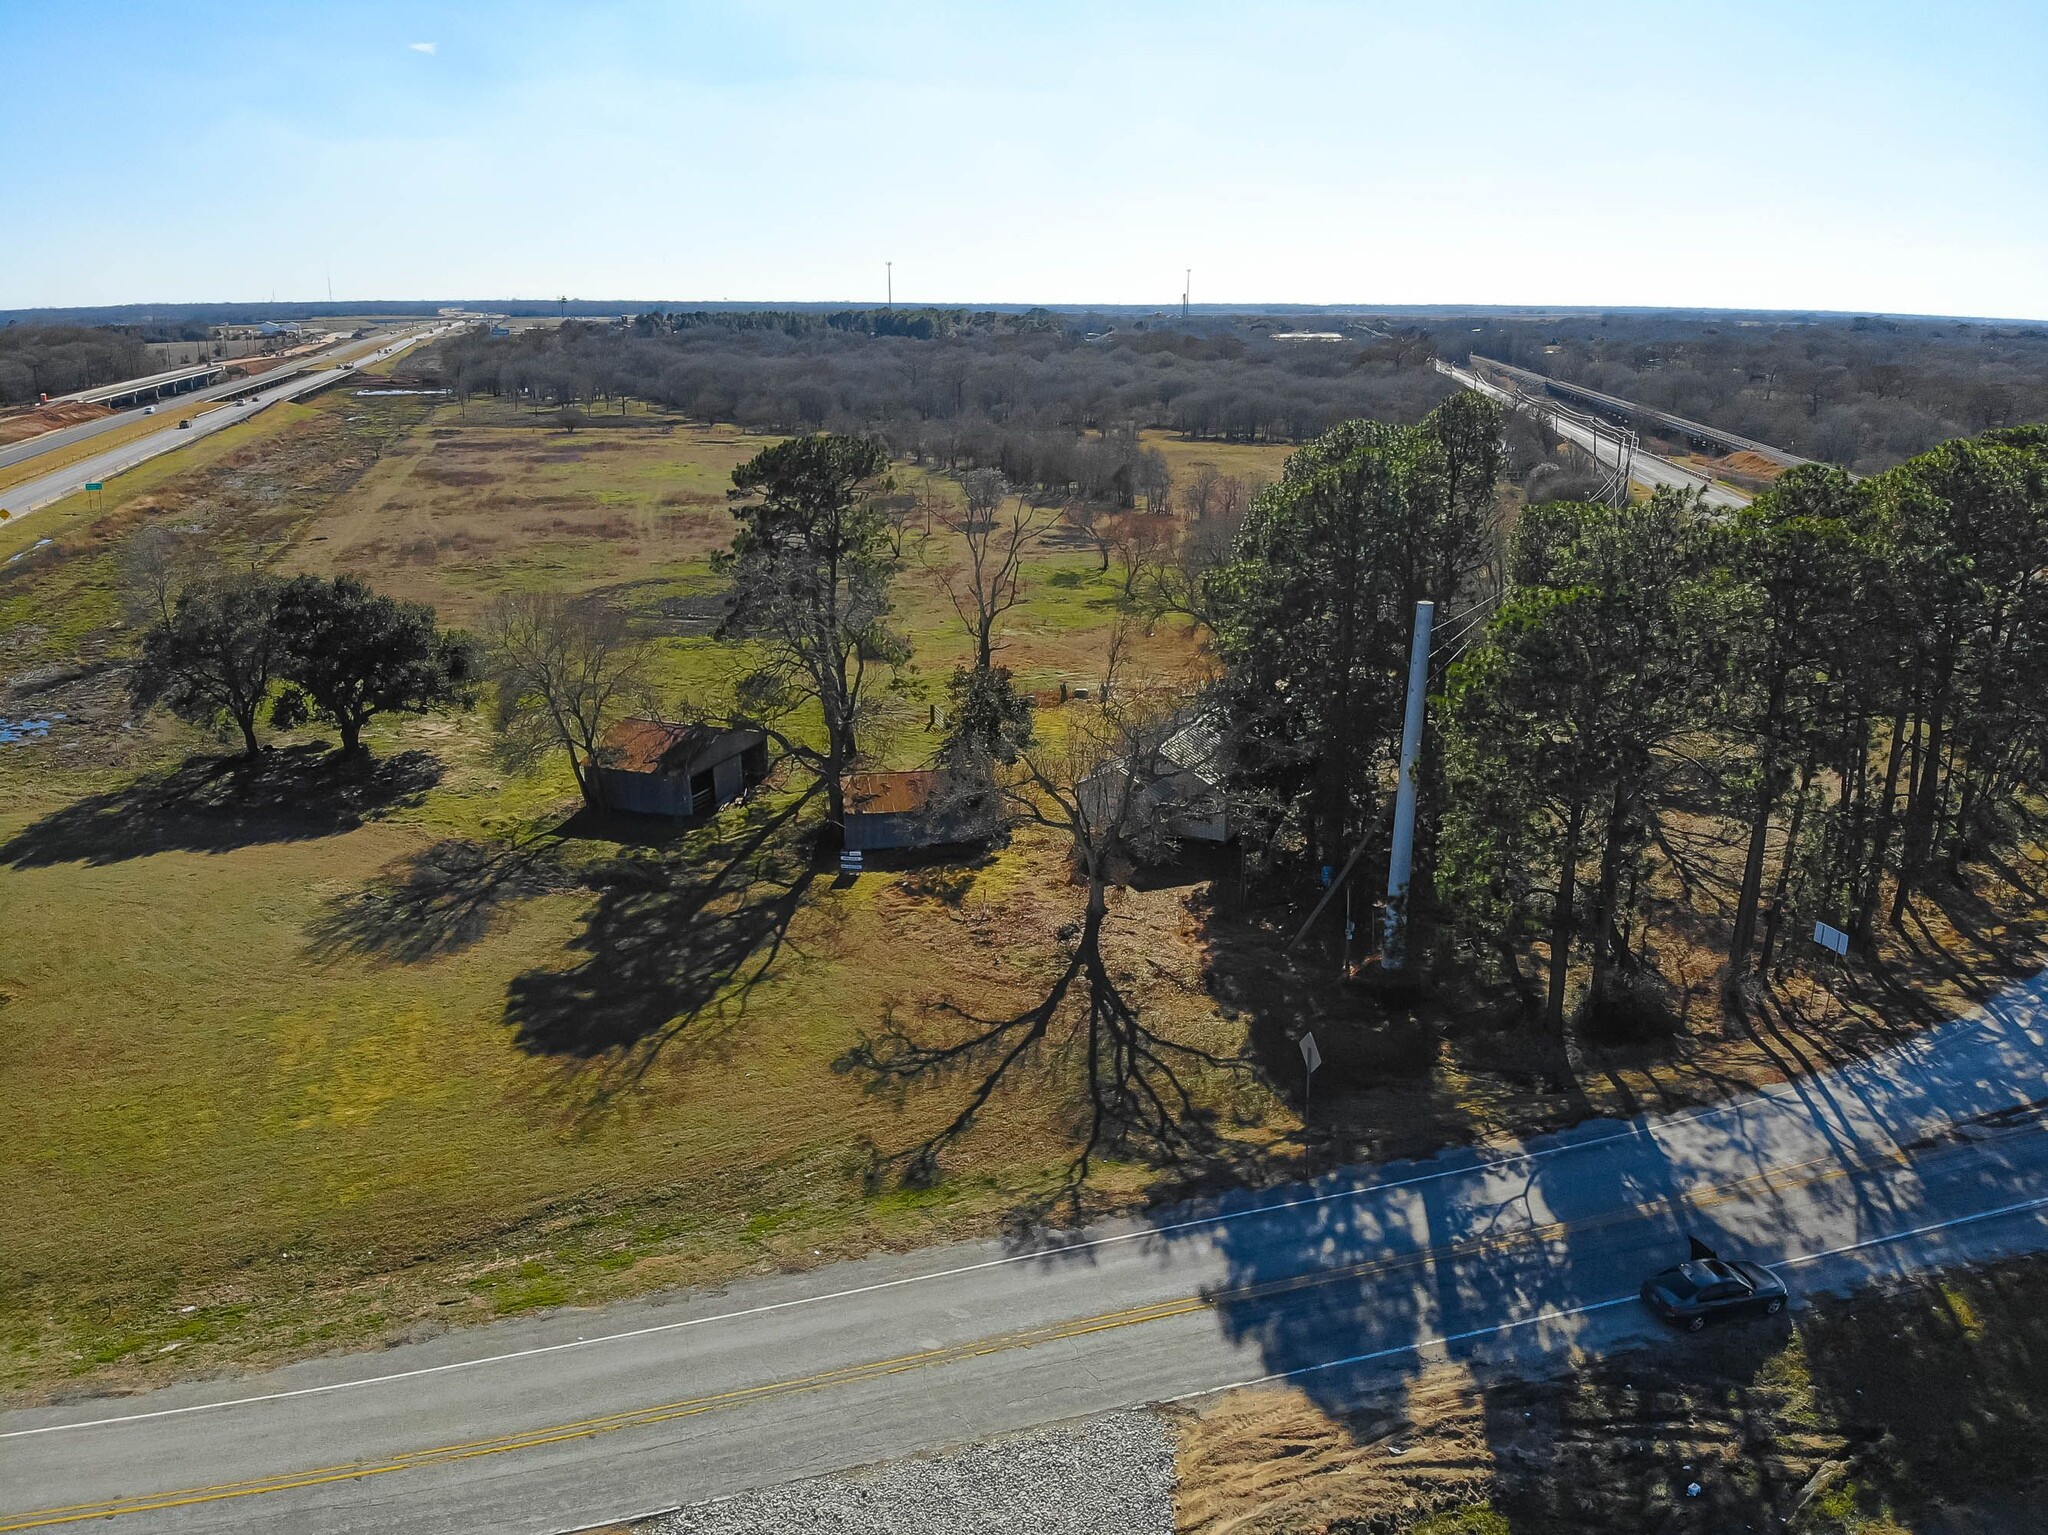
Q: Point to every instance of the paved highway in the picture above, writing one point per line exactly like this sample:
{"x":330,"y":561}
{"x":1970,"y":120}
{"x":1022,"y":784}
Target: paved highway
{"x":1513,"y":1254}
{"x":1645,"y":468}
{"x":54,"y":486}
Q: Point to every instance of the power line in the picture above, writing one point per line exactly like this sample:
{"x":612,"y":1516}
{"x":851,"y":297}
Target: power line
{"x":1475,"y":616}
{"x":1465,"y":612}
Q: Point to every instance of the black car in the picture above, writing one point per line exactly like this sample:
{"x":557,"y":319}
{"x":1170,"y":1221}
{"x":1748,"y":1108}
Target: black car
{"x":1710,"y":1289}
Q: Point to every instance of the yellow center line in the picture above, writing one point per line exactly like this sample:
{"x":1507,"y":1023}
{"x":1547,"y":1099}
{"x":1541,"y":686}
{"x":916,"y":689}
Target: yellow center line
{"x":1774,"y":1180}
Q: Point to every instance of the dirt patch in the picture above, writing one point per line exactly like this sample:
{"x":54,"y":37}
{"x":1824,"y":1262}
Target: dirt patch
{"x":22,"y":425}
{"x":441,"y":475}
{"x":1746,"y":462}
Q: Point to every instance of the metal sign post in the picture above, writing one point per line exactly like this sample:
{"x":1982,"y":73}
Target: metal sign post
{"x":1311,"y":1059}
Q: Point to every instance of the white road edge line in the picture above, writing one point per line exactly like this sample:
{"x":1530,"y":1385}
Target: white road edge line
{"x":1634,"y":1130}
{"x":1497,"y":1328}
{"x":1385,"y":1353}
{"x":1222,"y":1218}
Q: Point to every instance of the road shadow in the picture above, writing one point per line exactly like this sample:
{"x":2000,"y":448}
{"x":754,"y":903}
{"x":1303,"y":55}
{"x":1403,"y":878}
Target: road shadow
{"x":217,"y":804}
{"x":676,"y":933}
{"x":438,"y":902}
{"x":1505,"y":1261}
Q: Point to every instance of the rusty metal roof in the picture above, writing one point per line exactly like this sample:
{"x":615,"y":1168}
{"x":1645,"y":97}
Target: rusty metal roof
{"x":890,"y":793}
{"x":649,"y":746}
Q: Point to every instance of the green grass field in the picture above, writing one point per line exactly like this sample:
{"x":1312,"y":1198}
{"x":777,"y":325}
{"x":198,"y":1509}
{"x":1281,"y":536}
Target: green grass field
{"x":256,"y":1112}
{"x":306,"y":1061}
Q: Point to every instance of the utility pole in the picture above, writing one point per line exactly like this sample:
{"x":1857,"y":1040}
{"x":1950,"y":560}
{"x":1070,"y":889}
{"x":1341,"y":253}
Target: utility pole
{"x":1187,"y":288}
{"x":889,"y":277}
{"x":1394,"y":942}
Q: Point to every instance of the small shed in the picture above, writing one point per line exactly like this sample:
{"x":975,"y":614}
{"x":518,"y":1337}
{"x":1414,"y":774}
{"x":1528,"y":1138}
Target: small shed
{"x":649,"y":767}
{"x":914,"y":809}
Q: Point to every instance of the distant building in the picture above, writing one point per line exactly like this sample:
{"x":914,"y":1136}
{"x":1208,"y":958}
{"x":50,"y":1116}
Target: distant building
{"x":1308,"y":335}
{"x":914,"y":809}
{"x":683,"y":771}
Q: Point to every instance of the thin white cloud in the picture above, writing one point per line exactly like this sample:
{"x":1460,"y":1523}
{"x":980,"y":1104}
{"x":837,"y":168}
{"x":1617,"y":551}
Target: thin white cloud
{"x":422,"y":47}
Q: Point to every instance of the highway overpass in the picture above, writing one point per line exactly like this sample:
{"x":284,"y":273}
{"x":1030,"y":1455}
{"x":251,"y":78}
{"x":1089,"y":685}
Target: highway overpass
{"x":154,"y":386}
{"x":1604,"y":446}
{"x":264,"y":389}
{"x":1629,"y":413}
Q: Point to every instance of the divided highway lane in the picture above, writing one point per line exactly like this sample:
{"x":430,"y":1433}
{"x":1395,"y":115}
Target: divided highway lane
{"x":1645,"y":468}
{"x":32,"y":494}
{"x":555,"y":1422}
{"x":63,"y":437}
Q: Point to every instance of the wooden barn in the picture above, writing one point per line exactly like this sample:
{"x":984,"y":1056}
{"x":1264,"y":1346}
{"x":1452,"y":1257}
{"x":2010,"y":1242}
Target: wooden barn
{"x":912,"y":810}
{"x":685,"y":772}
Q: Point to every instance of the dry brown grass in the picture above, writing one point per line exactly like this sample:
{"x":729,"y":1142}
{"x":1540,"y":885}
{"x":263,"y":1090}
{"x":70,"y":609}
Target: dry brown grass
{"x":1926,"y":1398}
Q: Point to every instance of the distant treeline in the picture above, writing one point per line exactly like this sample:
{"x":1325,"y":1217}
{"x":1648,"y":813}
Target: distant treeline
{"x":61,"y":359}
{"x":1865,"y":393}
{"x":960,"y":388}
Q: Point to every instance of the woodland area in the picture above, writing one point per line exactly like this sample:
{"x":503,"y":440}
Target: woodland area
{"x":958,"y":389}
{"x":1843,"y":676}
{"x":1647,"y":721}
{"x":1863,"y":393}
{"x":62,"y":359}
{"x":1839,"y":673}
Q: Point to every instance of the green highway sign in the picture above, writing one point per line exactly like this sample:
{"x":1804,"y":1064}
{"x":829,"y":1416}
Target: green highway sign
{"x":94,"y":485}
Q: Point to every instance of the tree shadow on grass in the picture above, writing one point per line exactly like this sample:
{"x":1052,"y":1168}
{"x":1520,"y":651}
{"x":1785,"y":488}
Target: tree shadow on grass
{"x":218,"y":804}
{"x":675,"y":934}
{"x":1137,"y":1093}
{"x":439,"y":902}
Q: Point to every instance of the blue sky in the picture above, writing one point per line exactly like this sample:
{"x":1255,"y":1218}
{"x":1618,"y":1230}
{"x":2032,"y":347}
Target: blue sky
{"x":1863,"y":156}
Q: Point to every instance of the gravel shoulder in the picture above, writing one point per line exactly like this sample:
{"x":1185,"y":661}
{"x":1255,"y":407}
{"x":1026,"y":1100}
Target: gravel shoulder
{"x":1111,"y":1475}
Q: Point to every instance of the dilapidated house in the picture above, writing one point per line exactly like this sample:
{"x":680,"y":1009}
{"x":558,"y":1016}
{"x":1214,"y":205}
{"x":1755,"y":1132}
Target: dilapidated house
{"x":1177,"y":789}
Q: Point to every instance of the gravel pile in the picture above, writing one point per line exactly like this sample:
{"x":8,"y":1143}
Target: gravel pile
{"x":1111,"y":1475}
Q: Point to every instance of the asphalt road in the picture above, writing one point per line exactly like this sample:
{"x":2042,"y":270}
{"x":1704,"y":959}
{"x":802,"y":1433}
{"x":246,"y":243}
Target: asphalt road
{"x":35,"y":447}
{"x":1511,"y":1255}
{"x":1645,"y":468}
{"x":28,"y":496}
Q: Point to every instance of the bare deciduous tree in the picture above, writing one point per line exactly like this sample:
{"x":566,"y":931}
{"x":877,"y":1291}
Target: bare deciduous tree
{"x":564,"y":669}
{"x":1095,"y":784}
{"x":990,"y":581}
{"x":153,"y":568}
{"x":1178,"y":569}
{"x":1095,"y":523}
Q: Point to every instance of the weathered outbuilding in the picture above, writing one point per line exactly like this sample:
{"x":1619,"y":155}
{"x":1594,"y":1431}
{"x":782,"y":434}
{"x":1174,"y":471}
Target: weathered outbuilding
{"x":1180,"y":788}
{"x":915,"y":809}
{"x":647,"y":767}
